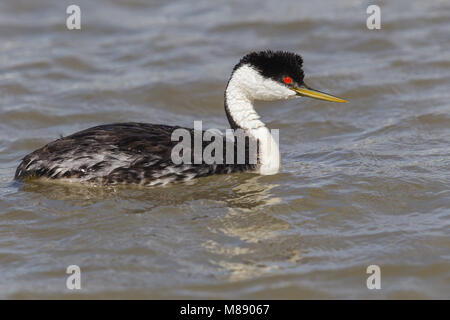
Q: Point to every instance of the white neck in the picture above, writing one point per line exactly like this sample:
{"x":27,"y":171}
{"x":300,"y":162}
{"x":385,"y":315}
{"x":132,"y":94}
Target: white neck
{"x":239,"y":105}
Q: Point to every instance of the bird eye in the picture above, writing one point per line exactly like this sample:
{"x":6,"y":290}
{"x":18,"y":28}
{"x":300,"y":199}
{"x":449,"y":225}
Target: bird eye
{"x":287,"y":80}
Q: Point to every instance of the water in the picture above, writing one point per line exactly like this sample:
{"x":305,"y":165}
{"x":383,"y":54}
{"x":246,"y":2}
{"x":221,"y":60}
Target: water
{"x":363,"y":183}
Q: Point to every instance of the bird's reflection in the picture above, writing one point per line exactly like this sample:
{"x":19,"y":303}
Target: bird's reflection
{"x":245,"y":236}
{"x":256,"y":243}
{"x":236,"y":190}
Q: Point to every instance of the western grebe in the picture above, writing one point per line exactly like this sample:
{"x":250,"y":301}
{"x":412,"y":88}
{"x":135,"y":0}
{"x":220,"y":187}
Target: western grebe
{"x":140,"y":153}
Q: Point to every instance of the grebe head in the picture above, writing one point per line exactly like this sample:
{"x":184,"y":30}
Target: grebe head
{"x":269,"y":75}
{"x":265,"y":75}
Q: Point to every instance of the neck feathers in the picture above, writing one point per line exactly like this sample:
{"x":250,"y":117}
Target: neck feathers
{"x":239,"y":100}
{"x":242,"y":115}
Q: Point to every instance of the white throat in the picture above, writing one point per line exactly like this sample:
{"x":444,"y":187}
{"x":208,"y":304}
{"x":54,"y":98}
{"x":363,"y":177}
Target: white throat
{"x":244,"y":87}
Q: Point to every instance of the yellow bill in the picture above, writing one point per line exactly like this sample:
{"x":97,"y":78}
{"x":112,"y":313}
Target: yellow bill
{"x":316,"y":94}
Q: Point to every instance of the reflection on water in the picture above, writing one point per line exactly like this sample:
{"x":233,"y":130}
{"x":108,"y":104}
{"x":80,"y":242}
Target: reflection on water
{"x":236,"y":190}
{"x":248,"y":224}
{"x":363,"y":183}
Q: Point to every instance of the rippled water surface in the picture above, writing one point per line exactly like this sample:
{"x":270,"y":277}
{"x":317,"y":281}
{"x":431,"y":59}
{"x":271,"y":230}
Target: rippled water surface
{"x":363,"y":183}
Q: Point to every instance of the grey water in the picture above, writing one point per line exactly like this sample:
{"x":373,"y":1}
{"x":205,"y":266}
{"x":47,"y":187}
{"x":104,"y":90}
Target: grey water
{"x":363,"y":183}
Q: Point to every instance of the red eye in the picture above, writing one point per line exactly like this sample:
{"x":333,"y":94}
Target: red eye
{"x":287,"y":80}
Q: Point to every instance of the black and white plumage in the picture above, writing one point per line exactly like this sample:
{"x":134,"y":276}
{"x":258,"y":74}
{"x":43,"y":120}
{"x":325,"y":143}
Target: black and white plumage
{"x":140,"y":153}
{"x":117,"y":153}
